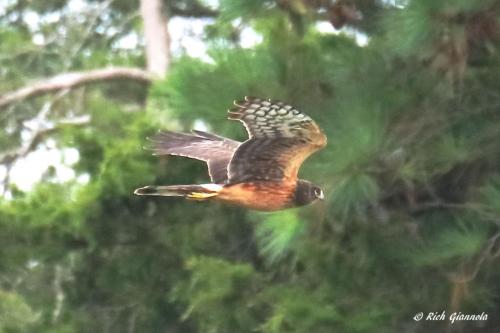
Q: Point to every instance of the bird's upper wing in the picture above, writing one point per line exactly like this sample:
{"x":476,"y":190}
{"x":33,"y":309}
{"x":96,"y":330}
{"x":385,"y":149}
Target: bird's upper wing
{"x":280,"y":139}
{"x":215,"y":150}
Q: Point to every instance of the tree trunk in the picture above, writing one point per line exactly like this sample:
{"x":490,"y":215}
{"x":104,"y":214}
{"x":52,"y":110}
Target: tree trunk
{"x":156,"y":36}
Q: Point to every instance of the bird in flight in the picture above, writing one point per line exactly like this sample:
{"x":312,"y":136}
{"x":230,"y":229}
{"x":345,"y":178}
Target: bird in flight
{"x":260,"y":173}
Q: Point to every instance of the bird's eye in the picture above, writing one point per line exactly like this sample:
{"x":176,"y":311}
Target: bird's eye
{"x":318,"y":193}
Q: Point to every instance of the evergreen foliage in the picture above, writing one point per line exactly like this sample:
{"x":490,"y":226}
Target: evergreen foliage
{"x":411,"y":176}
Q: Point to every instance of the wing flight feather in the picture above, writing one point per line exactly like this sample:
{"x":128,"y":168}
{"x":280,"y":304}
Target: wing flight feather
{"x":280,"y":139}
{"x":215,"y":150}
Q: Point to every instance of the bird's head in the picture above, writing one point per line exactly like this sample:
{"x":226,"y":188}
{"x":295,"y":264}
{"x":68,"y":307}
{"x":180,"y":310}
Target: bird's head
{"x":306,"y":192}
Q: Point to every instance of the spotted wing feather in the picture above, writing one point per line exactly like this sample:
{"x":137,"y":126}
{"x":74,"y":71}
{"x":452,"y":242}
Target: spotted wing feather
{"x":280,"y":139}
{"x":267,"y":119}
{"x":215,"y":150}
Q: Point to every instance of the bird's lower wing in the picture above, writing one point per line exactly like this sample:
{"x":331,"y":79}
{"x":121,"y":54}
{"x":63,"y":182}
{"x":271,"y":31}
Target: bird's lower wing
{"x":216,"y":151}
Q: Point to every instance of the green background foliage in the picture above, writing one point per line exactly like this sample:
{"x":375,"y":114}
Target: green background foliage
{"x":411,"y":177}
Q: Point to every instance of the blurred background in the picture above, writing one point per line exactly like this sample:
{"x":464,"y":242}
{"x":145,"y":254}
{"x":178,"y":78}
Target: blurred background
{"x":408,"y":93}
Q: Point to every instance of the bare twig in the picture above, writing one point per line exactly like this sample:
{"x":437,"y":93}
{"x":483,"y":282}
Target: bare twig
{"x":39,"y":135}
{"x":58,"y":293}
{"x":43,"y":127}
{"x":121,"y":28}
{"x":132,"y":322}
{"x":40,"y":130}
{"x":90,"y":27}
{"x":74,"y":79}
{"x":488,"y":252}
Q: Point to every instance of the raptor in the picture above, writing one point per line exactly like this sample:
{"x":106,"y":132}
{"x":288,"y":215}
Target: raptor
{"x":260,"y":173}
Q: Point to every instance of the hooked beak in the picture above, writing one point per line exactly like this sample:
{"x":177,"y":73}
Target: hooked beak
{"x":321,"y":196}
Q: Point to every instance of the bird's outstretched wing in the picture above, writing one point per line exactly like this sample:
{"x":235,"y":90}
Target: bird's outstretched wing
{"x":215,"y":150}
{"x":280,"y":139}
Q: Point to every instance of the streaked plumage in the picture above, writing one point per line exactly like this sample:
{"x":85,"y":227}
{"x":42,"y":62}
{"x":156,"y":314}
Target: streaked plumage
{"x":260,"y":173}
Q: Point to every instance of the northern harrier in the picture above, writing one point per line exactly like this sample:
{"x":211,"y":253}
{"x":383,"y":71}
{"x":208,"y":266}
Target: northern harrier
{"x":260,"y":173}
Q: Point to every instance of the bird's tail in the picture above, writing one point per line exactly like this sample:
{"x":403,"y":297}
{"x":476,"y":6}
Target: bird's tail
{"x":193,"y":192}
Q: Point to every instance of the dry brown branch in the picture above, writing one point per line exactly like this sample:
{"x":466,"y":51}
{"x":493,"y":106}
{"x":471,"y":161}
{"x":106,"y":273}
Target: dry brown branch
{"x":72,"y":80}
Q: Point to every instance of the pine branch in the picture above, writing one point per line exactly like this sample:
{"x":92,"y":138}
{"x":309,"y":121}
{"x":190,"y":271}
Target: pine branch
{"x":72,"y":80}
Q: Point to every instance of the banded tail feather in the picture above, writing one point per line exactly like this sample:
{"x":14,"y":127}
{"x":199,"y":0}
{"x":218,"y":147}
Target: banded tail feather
{"x":193,"y":192}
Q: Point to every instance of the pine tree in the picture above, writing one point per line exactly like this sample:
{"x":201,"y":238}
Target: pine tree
{"x":410,"y":173}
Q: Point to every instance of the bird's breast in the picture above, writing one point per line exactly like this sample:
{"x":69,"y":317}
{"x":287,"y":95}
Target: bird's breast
{"x":264,"y":196}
